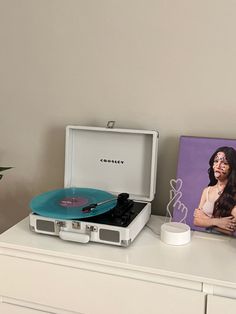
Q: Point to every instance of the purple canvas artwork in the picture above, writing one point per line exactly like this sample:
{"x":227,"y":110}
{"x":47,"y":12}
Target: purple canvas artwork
{"x":192,"y":175}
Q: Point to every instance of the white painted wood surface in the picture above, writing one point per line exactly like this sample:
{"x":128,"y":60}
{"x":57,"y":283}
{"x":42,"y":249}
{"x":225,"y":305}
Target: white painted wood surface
{"x":147,"y":277}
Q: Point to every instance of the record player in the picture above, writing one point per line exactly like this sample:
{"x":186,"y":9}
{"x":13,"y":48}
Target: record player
{"x":109,"y":183}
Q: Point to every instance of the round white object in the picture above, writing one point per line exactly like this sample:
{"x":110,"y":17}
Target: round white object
{"x":175,"y":233}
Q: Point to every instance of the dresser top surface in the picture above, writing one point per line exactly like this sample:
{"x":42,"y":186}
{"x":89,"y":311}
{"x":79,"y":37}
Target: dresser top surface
{"x":207,"y":258}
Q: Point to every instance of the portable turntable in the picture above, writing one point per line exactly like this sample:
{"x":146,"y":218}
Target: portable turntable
{"x":109,"y":183}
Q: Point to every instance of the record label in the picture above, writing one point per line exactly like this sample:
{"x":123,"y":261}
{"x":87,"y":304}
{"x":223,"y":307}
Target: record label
{"x":69,"y":203}
{"x":74,"y":201}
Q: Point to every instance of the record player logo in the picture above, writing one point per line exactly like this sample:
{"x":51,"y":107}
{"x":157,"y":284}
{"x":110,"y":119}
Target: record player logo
{"x":111,"y":161}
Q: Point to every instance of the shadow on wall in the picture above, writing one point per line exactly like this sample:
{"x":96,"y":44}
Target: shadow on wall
{"x":44,"y":173}
{"x":13,"y":207}
{"x":166,"y":170}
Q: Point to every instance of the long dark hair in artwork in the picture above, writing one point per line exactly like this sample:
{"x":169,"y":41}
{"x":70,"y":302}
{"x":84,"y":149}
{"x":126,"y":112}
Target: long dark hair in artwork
{"x":227,"y":200}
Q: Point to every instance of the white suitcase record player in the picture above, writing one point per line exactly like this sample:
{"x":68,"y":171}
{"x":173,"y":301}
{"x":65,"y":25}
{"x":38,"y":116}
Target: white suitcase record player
{"x":110,"y":180}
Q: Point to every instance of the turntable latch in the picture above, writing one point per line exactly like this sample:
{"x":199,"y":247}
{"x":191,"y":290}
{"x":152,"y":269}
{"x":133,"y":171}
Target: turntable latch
{"x":91,"y":228}
{"x":76,"y":225}
{"x":60,"y":224}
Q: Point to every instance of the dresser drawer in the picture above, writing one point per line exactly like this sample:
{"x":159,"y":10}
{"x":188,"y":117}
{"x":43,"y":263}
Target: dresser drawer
{"x":92,"y":292}
{"x":220,"y":305}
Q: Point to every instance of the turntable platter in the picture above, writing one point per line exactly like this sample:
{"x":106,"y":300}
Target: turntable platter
{"x":69,"y":203}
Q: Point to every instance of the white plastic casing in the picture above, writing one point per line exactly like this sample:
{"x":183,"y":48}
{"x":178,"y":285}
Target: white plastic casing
{"x":113,"y":160}
{"x":175,"y":233}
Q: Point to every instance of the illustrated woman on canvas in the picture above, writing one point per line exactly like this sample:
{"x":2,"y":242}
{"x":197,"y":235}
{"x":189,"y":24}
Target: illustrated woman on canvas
{"x":217,"y":208}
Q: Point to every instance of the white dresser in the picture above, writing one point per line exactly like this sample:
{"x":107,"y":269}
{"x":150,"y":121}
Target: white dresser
{"x":43,"y":274}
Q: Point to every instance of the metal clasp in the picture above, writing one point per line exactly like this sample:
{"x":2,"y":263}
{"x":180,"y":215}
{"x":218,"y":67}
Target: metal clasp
{"x":111,"y":124}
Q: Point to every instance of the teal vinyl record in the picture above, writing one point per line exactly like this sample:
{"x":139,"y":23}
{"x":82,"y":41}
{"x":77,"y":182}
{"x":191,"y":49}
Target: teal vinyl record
{"x":71,"y":203}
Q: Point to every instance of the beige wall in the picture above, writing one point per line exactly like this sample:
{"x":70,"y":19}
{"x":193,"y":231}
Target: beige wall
{"x":148,"y":64}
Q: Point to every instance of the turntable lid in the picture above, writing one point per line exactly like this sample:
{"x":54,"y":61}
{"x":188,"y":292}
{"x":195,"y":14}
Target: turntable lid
{"x":114,"y":160}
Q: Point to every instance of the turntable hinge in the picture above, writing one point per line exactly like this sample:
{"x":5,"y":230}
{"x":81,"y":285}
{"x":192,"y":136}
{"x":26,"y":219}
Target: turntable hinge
{"x":111,"y":124}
